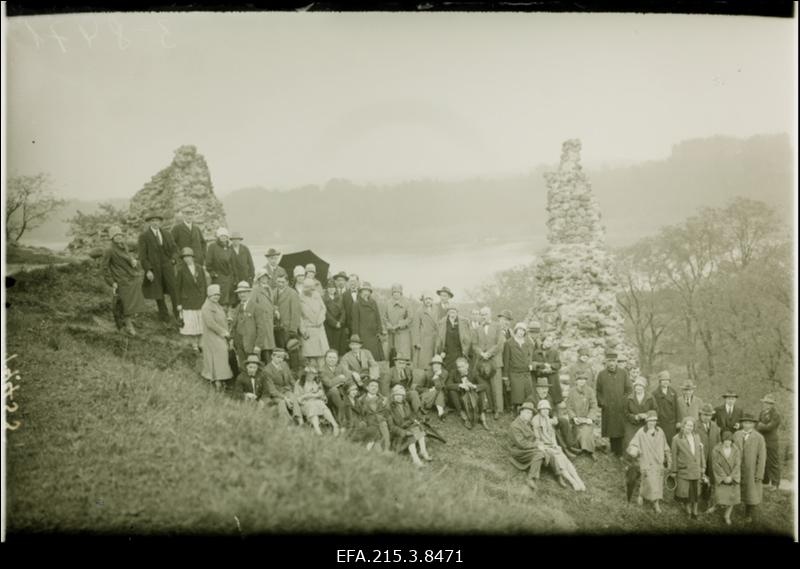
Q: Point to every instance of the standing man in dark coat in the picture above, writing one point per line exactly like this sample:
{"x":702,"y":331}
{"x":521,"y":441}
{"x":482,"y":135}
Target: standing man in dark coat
{"x":244,"y":269}
{"x":272,"y":269}
{"x":287,"y":319}
{"x":666,"y":400}
{"x":186,"y":233}
{"x":768,"y":422}
{"x":710,"y":436}
{"x":612,"y":389}
{"x":441,"y":308}
{"x":349,"y":298}
{"x":367,"y":323}
{"x":754,"y":462}
{"x":729,"y":415}
{"x":157,"y":255}
{"x":335,"y":328}
{"x":455,"y":340}
{"x":546,"y":363}
{"x":221,"y":267}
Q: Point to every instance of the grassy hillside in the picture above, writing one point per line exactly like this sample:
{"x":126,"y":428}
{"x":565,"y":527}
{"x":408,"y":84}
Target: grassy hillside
{"x":121,"y":436}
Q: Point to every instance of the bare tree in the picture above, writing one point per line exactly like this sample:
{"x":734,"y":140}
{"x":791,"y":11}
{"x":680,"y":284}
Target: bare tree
{"x":29,"y":202}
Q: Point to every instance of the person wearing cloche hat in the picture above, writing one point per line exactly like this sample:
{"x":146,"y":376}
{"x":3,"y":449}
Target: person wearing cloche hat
{"x":190,"y":290}
{"x":613,"y":388}
{"x":402,"y":374}
{"x":250,"y":322}
{"x":666,"y":399}
{"x":311,"y":395}
{"x":221,"y":266}
{"x":397,"y":315}
{"x":431,"y":386}
{"x":543,"y":392}
{"x":688,"y":465}
{"x":186,"y":233}
{"x":366,"y":321}
{"x":215,"y":340}
{"x":709,"y":433}
{"x":298,"y":276}
{"x":582,"y":411}
{"x":405,"y":426}
{"x":312,"y":324}
{"x":157,"y":254}
{"x":423,"y":333}
{"x":517,"y":367}
{"x":454,"y":339}
{"x":688,"y":404}
{"x":122,"y":273}
{"x":729,"y":414}
{"x":547,"y":439}
{"x":526,"y":454}
{"x":651,"y":450}
{"x":243,"y":267}
{"x":726,"y":462}
{"x":637,"y":405}
{"x":753,"y":447}
{"x":768,"y":422}
{"x":335,"y":318}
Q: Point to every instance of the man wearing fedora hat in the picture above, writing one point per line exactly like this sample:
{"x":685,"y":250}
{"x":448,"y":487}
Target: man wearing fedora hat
{"x":768,"y":422}
{"x":249,"y":324}
{"x":335,"y":318}
{"x":186,"y":233}
{"x":367,"y":323}
{"x":122,"y":273}
{"x":252,"y":384}
{"x":221,"y":266}
{"x":454,"y":339}
{"x":613,"y":388}
{"x":666,"y":400}
{"x":278,"y":372}
{"x":397,"y":315}
{"x":526,"y":452}
{"x":728,"y":415}
{"x":542,"y":392}
{"x":688,"y":404}
{"x":402,"y":374}
{"x":262,"y":294}
{"x":753,"y":449}
{"x":272,"y":268}
{"x":243,"y":267}
{"x":709,"y":433}
{"x":157,"y":255}
{"x":287,"y":319}
{"x":431,"y":386}
{"x":360,"y":363}
{"x":487,"y":351}
{"x":424,"y":333}
{"x":445,"y":297}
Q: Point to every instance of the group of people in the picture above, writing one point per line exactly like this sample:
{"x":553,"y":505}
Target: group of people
{"x":311,"y":353}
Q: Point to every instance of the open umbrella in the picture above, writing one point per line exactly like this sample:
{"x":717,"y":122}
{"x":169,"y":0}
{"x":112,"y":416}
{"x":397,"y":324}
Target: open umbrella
{"x":291,"y":260}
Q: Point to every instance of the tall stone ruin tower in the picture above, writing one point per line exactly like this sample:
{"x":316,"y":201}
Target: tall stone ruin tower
{"x":577,"y":291}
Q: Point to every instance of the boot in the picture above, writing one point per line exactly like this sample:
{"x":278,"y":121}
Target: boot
{"x":129,"y":327}
{"x":483,"y":422}
{"x":532,"y":483}
{"x":657,"y":507}
{"x":562,"y":482}
{"x":466,"y":421}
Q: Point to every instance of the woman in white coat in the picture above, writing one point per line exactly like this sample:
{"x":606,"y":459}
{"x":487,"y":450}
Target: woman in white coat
{"x":312,"y":325}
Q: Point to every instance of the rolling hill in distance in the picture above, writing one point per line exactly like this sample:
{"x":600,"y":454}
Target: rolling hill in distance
{"x":422,"y":215}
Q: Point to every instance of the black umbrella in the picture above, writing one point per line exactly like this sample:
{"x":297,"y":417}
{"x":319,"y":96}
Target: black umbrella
{"x":291,"y":260}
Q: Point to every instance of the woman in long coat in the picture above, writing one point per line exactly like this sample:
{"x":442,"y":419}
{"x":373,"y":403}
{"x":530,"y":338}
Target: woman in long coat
{"x":221,"y":266}
{"x":190,"y":290}
{"x":768,"y":422}
{"x":424,"y":331}
{"x":215,"y":340}
{"x":543,"y":426}
{"x":582,"y":411}
{"x":123,"y":274}
{"x":517,"y":354}
{"x":312,"y":322}
{"x":397,"y":317}
{"x":688,"y":465}
{"x":650,"y":447}
{"x":335,"y":319}
{"x":637,"y":405}
{"x":726,"y":461}
{"x":367,"y":323}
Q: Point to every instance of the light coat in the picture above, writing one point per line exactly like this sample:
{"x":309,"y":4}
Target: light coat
{"x":754,"y":463}
{"x":312,"y":325}
{"x":654,"y":460}
{"x":690,"y":410}
{"x":582,"y":405}
{"x":424,"y":334}
{"x":263,"y":297}
{"x":214,"y":343}
{"x":687,"y":465}
{"x":250,"y":327}
{"x":727,"y":494}
{"x":397,"y":316}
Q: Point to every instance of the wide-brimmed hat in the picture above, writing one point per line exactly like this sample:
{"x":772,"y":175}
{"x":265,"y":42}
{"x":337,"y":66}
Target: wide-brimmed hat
{"x":437,"y":359}
{"x":688,"y":385}
{"x":611,"y":355}
{"x":292,"y":345}
{"x":445,"y":290}
{"x":726,"y":436}
{"x":402,"y":357}
{"x":729,"y":393}
{"x":768,"y":399}
{"x":397,"y":287}
{"x":298,"y":270}
{"x":114,"y":230}
{"x":398,"y":389}
{"x":213,"y":289}
{"x":582,"y":375}
{"x":651,"y":416}
{"x":340,"y":275}
{"x":279,"y":351}
{"x":688,"y":418}
{"x":330,"y":284}
{"x":542,"y":382}
{"x":355,"y":339}
{"x":543,"y":404}
{"x":187,"y":252}
{"x":505,"y":314}
{"x":252,"y":359}
{"x":372,"y":380}
{"x":223,"y":231}
{"x":534,"y":325}
{"x":153,"y":215}
{"x":259,"y":274}
{"x":663,"y":376}
{"x":243,"y":286}
{"x":272,"y":253}
{"x":707,"y":409}
{"x":365,"y":286}
{"x":236,"y":235}
{"x":311,"y":267}
{"x":640,"y":381}
{"x":520,"y":325}
{"x":748,"y":417}
{"x":527,"y":405}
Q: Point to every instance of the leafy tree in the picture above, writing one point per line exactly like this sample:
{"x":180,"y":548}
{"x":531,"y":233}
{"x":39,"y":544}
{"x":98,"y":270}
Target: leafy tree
{"x":29,"y":202}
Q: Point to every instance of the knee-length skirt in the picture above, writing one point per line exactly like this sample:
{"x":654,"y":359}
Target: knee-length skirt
{"x":192,"y":323}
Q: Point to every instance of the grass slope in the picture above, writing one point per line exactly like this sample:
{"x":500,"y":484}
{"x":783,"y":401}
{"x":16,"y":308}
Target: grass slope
{"x":121,"y":436}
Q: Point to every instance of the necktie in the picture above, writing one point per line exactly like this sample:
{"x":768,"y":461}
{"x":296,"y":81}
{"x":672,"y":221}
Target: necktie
{"x":158,"y":236}
{"x":253,"y":382}
{"x":746,"y":436}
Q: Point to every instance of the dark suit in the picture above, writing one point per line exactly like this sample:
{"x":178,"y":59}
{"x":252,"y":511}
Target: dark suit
{"x":243,"y":267}
{"x":185,"y":237}
{"x":159,"y":258}
{"x":710,"y":438}
{"x":335,"y":314}
{"x":348,"y":302}
{"x":190,"y":290}
{"x":667,"y":409}
{"x":727,"y":422}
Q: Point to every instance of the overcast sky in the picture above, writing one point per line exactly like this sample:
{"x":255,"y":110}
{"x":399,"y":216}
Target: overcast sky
{"x":280,"y":100}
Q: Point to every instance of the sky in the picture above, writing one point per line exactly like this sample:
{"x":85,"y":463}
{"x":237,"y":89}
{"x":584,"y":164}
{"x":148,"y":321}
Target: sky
{"x":281,"y":100}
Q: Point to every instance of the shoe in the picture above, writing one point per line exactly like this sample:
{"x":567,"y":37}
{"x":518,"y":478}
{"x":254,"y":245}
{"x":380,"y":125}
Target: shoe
{"x":569,"y":453}
{"x":711,"y":510}
{"x":469,"y":425}
{"x":496,"y":416}
{"x":427,"y":458}
{"x":532,"y":483}
{"x":483,"y":423}
{"x":694,"y":516}
{"x":640,"y":500}
{"x":562,"y":482}
{"x":657,"y":508}
{"x":728,"y":521}
{"x":594,"y":457}
{"x":441,"y":418}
